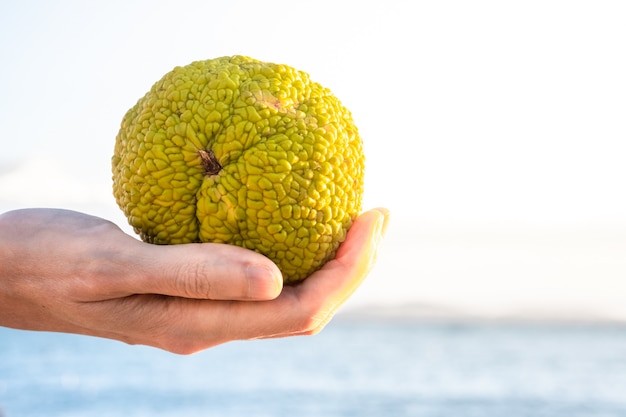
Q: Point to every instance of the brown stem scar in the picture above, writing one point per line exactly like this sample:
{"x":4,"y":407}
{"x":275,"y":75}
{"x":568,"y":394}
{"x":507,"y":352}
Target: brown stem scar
{"x":209,"y":162}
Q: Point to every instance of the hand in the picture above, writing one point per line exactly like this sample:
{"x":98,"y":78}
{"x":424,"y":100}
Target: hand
{"x":70,"y":272}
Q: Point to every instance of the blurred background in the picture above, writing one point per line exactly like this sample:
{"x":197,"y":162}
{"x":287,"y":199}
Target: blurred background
{"x":494,"y":132}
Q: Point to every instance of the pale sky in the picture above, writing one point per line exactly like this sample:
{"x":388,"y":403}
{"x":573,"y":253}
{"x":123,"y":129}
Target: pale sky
{"x":506,"y":118}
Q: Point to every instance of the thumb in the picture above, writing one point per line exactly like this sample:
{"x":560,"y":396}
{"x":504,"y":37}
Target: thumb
{"x":206,"y":271}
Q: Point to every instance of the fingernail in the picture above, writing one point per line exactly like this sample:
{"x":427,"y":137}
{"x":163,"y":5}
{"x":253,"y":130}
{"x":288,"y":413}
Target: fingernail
{"x":264,"y":282}
{"x":384,"y":222}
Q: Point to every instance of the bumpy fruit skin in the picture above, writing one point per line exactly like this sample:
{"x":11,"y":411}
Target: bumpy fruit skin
{"x":234,"y":150}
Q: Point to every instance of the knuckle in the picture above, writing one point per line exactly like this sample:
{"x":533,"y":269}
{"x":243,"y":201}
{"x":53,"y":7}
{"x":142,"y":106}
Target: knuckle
{"x":313,"y":322}
{"x":182,"y":348}
{"x":192,"y":281}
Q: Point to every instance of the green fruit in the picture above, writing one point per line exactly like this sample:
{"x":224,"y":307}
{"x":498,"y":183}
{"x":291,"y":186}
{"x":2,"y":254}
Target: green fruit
{"x":234,"y":150}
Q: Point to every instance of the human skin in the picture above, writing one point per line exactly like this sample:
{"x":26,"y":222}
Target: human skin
{"x":65,"y":271}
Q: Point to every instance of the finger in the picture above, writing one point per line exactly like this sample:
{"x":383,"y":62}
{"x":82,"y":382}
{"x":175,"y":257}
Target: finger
{"x":307,"y":307}
{"x":226,"y":272}
{"x":329,"y":288}
{"x":204,"y":271}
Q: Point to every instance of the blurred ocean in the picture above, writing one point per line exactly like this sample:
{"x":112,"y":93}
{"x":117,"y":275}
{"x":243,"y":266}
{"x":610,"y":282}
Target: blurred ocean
{"x":354,"y":368}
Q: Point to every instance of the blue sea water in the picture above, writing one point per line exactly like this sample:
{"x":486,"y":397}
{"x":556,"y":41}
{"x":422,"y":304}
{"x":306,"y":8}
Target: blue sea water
{"x":351,"y":369}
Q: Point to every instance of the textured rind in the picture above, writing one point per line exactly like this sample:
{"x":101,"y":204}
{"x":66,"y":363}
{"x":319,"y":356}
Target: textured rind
{"x":292,"y":163}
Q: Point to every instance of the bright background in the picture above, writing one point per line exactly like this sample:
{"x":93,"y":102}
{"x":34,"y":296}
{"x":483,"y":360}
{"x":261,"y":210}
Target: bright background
{"x":494,"y":131}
